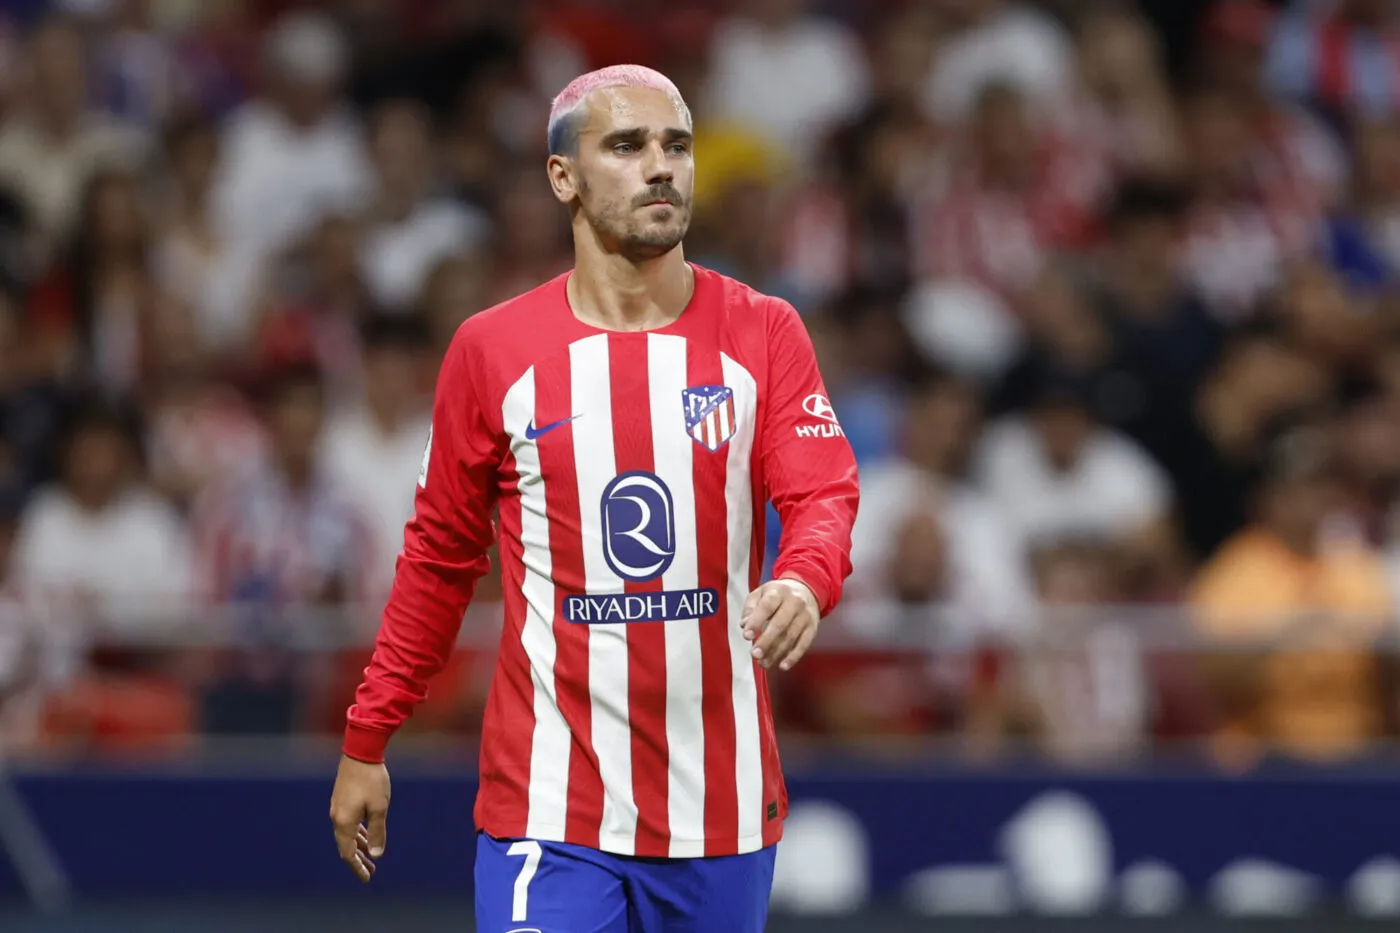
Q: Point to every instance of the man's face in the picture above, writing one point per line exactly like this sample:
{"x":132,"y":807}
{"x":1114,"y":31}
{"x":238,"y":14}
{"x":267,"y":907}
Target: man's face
{"x":296,"y":419}
{"x":391,"y":377}
{"x":60,"y":76}
{"x":941,"y":428}
{"x":634,"y":171}
{"x":402,"y":148}
{"x":97,"y":464}
{"x":1064,"y":429}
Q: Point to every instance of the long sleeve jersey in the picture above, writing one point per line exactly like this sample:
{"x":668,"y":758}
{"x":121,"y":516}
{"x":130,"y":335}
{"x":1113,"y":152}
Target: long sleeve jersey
{"x":631,"y":471}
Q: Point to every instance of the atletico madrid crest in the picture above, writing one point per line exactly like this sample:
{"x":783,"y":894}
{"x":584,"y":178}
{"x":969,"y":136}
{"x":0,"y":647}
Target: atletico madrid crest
{"x":709,"y":415}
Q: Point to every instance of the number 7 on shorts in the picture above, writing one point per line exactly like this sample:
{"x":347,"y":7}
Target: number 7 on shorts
{"x":532,"y":851}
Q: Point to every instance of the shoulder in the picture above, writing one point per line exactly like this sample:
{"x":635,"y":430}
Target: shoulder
{"x":1007,"y":434}
{"x":48,"y":506}
{"x":511,"y":321}
{"x":744,"y":306}
{"x":1118,"y":452}
{"x":146,"y":512}
{"x":493,"y":347}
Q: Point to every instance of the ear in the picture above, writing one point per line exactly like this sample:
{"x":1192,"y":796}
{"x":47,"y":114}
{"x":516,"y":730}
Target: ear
{"x":563,"y":179}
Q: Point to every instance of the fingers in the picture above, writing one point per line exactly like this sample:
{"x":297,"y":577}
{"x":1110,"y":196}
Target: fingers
{"x":357,"y":844}
{"x":804,"y":641}
{"x":376,"y":831}
{"x":347,"y":827}
{"x":778,"y":634}
{"x":759,"y":609}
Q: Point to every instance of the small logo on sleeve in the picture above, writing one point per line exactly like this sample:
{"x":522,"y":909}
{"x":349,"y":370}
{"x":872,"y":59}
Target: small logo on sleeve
{"x":819,"y":406}
{"x":773,"y":810}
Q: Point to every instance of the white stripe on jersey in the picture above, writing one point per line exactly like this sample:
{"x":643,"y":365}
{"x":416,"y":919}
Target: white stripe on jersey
{"x":549,"y":750}
{"x":738,"y":495}
{"x":595,"y":464}
{"x":685,"y":726}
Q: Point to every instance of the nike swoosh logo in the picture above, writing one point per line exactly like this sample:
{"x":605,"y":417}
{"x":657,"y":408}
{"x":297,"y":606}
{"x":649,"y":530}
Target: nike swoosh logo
{"x":532,"y":432}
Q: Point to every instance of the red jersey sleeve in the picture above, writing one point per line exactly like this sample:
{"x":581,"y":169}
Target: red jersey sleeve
{"x":444,"y":555}
{"x":808,"y":464}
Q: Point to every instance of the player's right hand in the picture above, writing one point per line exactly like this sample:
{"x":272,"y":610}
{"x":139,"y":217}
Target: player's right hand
{"x":359,"y":807}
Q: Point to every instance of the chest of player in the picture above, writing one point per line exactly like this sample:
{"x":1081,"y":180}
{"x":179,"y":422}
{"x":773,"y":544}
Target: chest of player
{"x":631,"y":456}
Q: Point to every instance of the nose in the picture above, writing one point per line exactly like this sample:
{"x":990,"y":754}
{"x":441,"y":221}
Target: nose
{"x":656,"y":166}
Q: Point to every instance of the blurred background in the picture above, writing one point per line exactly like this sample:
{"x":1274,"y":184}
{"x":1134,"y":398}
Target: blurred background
{"x":1105,"y":295}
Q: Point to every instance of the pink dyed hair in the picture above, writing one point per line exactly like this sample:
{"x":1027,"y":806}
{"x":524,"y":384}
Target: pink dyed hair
{"x":563,"y":123}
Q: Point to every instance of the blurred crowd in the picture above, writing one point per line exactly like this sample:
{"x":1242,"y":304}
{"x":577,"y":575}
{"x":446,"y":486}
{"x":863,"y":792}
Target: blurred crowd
{"x":1103,"y":291}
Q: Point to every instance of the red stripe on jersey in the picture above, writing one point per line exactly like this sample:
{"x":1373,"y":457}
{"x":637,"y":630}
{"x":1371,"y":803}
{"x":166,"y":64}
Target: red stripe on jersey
{"x":646,"y":641}
{"x":774,"y":788}
{"x":504,"y":799}
{"x":716,"y":672}
{"x":553,"y":402}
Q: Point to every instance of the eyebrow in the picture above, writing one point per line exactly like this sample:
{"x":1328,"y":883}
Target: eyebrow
{"x":639,"y":133}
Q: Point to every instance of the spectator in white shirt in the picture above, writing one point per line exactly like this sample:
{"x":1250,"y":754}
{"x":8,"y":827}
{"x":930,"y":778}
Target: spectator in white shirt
{"x":410,"y":226}
{"x":374,"y":450}
{"x":784,"y":73}
{"x":193,"y":259}
{"x":101,"y":540}
{"x":296,"y":155}
{"x":1059,"y":473}
{"x":1002,"y":42}
{"x":986,"y":575}
{"x":54,"y":142}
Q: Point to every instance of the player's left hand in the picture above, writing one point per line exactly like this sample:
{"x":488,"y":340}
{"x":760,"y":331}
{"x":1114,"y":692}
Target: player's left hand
{"x":781,"y":618}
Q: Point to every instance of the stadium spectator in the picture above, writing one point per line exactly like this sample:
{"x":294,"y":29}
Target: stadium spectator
{"x":296,"y":154}
{"x":984,"y":570}
{"x":1088,"y":694}
{"x":410,"y":225}
{"x":318,"y":303}
{"x":1123,"y":100}
{"x":1325,"y":597}
{"x":202,"y":431}
{"x":50,"y":146}
{"x":1015,"y":192}
{"x":784,"y":73}
{"x":1003,"y":42}
{"x":374,"y":449}
{"x":87,"y":311}
{"x":1338,"y":57}
{"x":1362,"y":241}
{"x":1246,"y":222}
{"x":101,"y":543}
{"x":1059,"y":472}
{"x":287,"y":534}
{"x":193,"y":258}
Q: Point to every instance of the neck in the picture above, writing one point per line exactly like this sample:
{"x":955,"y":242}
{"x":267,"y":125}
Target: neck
{"x":1142,"y":289}
{"x":395,"y":206}
{"x":297,"y":472}
{"x":615,"y":293}
{"x":384,"y":415}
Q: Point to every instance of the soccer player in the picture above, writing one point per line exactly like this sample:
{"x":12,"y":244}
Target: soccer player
{"x":629,"y":419}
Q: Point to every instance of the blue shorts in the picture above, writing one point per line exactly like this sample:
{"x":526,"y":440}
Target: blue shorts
{"x":523,"y":886}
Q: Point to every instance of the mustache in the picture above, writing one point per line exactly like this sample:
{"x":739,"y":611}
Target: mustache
{"x":656,"y":193}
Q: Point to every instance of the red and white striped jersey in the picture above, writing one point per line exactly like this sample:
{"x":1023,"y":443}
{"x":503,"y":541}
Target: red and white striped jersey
{"x":631,"y":472}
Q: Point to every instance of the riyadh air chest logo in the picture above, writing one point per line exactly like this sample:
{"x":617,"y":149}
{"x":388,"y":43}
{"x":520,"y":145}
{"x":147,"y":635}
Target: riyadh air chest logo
{"x":639,"y":526}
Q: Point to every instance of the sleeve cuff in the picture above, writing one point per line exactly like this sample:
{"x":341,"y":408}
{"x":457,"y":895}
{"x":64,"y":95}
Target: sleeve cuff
{"x":363,"y":744}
